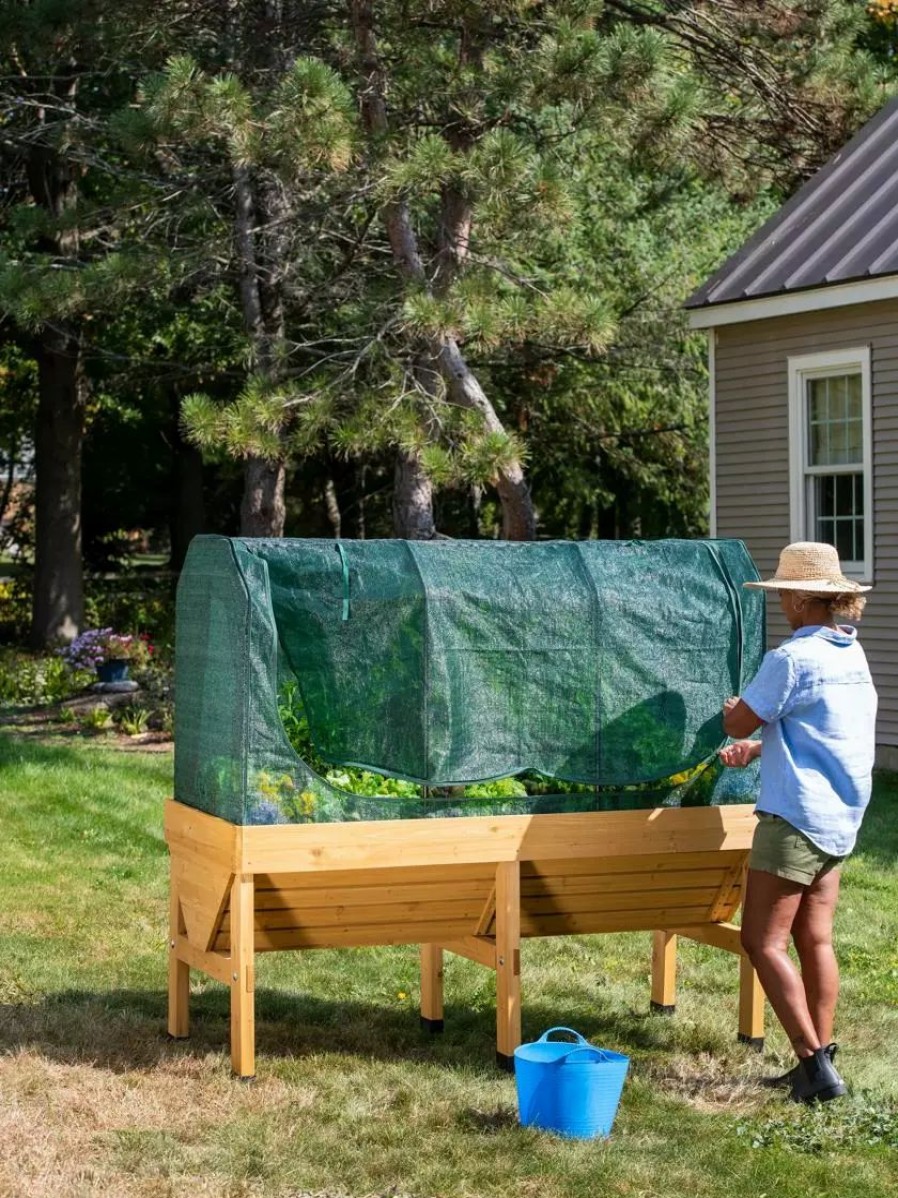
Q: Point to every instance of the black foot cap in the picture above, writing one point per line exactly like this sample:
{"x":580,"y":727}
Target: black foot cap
{"x":663,"y":1008}
{"x":247,"y":1081}
{"x":176,"y":1039}
{"x":434,"y":1026}
{"x":506,"y":1064}
{"x":755,"y":1042}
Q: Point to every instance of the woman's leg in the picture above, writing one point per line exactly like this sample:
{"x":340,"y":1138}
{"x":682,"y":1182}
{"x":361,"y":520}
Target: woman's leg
{"x":768,"y":913}
{"x":812,"y":932}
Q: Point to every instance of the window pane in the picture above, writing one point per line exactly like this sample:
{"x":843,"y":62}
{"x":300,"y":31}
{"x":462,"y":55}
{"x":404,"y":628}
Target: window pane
{"x":845,"y":540}
{"x":845,"y":495}
{"x":838,"y":513}
{"x":835,"y":420}
{"x":853,"y":392}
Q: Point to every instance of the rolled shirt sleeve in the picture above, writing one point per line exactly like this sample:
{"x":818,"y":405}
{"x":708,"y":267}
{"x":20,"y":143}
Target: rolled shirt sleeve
{"x":770,"y":692}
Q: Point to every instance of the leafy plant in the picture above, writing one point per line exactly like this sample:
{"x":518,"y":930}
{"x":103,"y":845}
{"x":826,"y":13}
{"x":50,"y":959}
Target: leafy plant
{"x":861,"y":1120}
{"x":98,"y":719}
{"x":28,"y":680}
{"x":132,"y":720}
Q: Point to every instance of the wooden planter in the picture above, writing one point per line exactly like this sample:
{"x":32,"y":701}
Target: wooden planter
{"x":475,"y":886}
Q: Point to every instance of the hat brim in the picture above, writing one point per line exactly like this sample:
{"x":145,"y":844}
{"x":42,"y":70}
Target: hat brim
{"x":812,"y":586}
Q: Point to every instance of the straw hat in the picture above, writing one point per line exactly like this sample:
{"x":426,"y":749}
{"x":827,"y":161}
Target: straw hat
{"x":812,"y":567}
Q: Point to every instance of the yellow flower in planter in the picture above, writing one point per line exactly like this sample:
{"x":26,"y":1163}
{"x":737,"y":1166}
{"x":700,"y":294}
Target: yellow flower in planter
{"x":306,"y":804}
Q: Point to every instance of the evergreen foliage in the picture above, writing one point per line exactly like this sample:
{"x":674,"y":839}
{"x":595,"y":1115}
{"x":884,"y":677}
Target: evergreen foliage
{"x":319,"y":240}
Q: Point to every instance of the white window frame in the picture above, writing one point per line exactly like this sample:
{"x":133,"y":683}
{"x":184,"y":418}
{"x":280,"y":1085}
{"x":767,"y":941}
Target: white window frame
{"x":823,"y":365}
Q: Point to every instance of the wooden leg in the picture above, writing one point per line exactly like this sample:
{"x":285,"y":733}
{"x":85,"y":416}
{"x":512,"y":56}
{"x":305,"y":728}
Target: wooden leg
{"x":243,"y":997}
{"x":751,"y":1006}
{"x":178,"y":970}
{"x":664,"y":972}
{"x":508,"y":962}
{"x":432,"y":987}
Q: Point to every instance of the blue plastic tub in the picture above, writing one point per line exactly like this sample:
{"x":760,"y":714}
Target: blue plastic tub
{"x":570,"y":1089}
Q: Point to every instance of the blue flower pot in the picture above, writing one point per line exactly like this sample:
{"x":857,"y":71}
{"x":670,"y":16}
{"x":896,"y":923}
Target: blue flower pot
{"x":113,"y":671}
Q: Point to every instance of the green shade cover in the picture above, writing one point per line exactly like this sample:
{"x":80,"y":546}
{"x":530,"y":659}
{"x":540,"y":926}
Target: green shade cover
{"x":446,"y":663}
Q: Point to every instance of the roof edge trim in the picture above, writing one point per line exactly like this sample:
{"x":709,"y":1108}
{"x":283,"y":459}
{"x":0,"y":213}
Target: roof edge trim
{"x":816,"y":299}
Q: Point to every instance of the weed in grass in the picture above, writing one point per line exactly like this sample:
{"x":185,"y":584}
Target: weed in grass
{"x":860,"y":1121}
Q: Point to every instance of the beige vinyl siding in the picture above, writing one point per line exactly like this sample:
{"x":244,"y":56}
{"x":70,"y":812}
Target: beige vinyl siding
{"x":752,"y":458}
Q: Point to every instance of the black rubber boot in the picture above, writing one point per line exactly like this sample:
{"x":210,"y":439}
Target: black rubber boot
{"x":784,"y":1080}
{"x":816,"y":1079}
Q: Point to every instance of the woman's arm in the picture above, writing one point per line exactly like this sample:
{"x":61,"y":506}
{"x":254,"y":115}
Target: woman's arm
{"x":738,"y":719}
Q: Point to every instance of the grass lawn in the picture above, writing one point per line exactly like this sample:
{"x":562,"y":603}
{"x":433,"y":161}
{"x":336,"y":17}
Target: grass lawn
{"x":351,"y":1098}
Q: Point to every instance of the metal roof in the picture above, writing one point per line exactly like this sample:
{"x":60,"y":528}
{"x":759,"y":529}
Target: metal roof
{"x":840,"y":226}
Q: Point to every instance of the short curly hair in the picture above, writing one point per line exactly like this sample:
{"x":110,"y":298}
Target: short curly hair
{"x":846,"y":606}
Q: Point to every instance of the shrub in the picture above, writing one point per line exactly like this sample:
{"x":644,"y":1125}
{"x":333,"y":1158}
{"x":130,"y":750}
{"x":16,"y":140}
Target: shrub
{"x":29,"y":680}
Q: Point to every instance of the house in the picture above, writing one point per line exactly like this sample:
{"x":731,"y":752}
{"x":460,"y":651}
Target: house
{"x":803,"y":359}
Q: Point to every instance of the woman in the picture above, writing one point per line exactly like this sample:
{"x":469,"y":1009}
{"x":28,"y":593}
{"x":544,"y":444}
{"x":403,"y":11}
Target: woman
{"x":814,"y":701}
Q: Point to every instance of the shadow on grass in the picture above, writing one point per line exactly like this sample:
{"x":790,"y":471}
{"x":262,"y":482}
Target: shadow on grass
{"x":123,"y":1030}
{"x":878,"y":839}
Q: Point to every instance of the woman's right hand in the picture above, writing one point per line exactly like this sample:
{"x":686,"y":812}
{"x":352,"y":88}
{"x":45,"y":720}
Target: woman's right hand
{"x":740,"y":752}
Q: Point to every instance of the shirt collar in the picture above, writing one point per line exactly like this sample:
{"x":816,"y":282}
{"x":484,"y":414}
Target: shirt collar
{"x":844,"y":634}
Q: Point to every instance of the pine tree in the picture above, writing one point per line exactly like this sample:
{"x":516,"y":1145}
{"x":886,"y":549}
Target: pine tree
{"x":270,"y":122}
{"x":51,"y":57}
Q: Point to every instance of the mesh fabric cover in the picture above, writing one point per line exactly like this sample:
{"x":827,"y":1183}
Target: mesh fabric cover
{"x":446,"y":663}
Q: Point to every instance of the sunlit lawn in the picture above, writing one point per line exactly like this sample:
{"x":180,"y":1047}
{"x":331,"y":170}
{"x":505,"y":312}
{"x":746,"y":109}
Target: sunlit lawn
{"x":351,"y":1098}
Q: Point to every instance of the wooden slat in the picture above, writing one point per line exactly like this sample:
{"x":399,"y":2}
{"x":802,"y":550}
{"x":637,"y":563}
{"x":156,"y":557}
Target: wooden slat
{"x":710,"y":880}
{"x":386,"y":843}
{"x":466,"y":840}
{"x":216,"y":839}
{"x":363,"y":896}
{"x":642,"y":862}
{"x":721,"y":935}
{"x":469,"y":912}
{"x":203,"y":888}
{"x":685,"y":921}
{"x":487,"y":915}
{"x":464,"y":911}
{"x":693,"y":896}
{"x":481,"y":949}
{"x":217,"y":965}
{"x":278,"y":939}
{"x":569,"y":924}
{"x":726,"y":902}
{"x":349,"y":879}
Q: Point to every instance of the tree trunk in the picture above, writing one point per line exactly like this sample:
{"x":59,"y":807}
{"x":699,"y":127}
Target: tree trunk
{"x":463,"y":387}
{"x":412,"y":500}
{"x":358,"y":506}
{"x":58,"y":606}
{"x":262,"y":511}
{"x":332,"y":506}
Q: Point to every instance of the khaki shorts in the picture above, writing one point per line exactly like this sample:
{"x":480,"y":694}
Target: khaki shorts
{"x":779,"y":848}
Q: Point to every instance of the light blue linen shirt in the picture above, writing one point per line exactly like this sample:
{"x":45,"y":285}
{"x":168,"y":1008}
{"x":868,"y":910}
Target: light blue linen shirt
{"x":817,"y":700}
